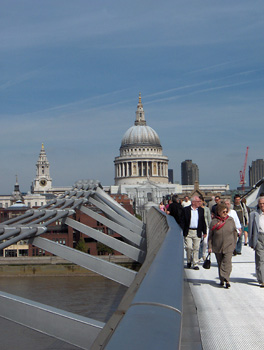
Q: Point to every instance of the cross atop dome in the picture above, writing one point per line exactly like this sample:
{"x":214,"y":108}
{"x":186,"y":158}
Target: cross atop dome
{"x":140,"y":114}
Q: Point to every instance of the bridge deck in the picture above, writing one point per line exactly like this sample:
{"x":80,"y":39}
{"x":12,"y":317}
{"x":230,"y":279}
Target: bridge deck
{"x":228,"y":318}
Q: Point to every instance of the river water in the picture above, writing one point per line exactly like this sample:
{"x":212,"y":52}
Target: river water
{"x":95,"y":297}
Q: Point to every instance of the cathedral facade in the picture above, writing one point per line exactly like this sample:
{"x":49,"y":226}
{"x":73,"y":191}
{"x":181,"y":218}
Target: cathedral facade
{"x":141,"y":169}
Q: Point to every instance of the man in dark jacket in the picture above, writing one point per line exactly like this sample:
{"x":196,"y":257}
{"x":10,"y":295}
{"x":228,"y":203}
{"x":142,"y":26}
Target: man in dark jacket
{"x":194,"y":226}
{"x":175,"y":209}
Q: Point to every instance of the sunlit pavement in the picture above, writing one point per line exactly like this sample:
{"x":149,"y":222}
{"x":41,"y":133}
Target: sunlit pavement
{"x":229,"y":318}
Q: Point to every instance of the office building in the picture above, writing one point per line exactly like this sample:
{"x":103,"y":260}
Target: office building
{"x":189,"y":172}
{"x":256,"y":171}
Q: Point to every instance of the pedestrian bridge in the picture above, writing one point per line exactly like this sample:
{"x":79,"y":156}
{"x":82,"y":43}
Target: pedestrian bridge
{"x":163,"y":307}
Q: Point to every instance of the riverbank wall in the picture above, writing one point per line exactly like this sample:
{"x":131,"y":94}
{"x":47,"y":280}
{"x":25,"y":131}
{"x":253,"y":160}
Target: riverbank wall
{"x":53,"y":266}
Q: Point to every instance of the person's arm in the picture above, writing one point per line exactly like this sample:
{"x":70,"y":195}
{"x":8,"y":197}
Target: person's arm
{"x":235,"y":234}
{"x":209,"y":217}
{"x":237,"y":223}
{"x":204,"y":224}
{"x":250,"y":229}
{"x":210,"y":239}
{"x":245,"y":212}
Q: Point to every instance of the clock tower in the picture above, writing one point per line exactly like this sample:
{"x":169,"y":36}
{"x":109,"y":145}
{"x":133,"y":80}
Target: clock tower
{"x":43,"y":181}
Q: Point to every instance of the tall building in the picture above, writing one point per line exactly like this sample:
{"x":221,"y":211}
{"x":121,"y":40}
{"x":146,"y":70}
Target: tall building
{"x":141,"y":155}
{"x":256,"y":171}
{"x":170,"y":174}
{"x":189,"y":172}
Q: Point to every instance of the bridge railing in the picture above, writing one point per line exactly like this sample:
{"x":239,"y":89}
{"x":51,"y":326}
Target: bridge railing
{"x":150,"y":312}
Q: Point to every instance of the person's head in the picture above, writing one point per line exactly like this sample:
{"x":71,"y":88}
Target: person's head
{"x":186,"y":198}
{"x":228,"y":204}
{"x":261,"y":203}
{"x":217,"y":199}
{"x":222,"y":209}
{"x":174,"y":198}
{"x":237,"y":199}
{"x":202,"y":200}
{"x":196,"y":202}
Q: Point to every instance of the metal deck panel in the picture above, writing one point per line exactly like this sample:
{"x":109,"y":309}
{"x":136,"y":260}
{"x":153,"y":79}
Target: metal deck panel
{"x":229,"y":318}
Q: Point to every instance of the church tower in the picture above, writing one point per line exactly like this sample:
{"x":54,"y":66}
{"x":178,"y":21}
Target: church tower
{"x":16,"y":195}
{"x":43,"y":181}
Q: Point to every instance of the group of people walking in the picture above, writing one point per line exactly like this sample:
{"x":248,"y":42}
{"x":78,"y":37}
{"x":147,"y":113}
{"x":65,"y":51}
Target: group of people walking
{"x":220,"y":228}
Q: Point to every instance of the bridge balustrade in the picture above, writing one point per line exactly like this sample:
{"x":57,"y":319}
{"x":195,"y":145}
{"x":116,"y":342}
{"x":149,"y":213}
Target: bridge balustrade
{"x":149,"y":316}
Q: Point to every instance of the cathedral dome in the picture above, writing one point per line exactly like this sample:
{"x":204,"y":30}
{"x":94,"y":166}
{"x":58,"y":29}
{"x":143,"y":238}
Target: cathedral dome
{"x":141,"y":157}
{"x":140,"y":135}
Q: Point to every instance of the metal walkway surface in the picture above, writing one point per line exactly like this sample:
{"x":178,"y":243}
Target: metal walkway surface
{"x":229,"y":318}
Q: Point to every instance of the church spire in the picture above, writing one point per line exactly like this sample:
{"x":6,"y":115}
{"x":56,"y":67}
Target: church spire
{"x":140,"y":114}
{"x":42,"y":163}
{"x":16,"y":195}
{"x":16,"y":187}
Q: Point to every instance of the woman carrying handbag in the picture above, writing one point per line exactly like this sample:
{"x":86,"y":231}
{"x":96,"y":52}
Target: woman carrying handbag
{"x":222,"y":241}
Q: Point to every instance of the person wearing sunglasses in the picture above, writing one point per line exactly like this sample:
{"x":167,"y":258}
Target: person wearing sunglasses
{"x":222,"y":241}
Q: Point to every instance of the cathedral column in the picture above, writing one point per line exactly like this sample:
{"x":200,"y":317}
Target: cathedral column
{"x":123,"y":170}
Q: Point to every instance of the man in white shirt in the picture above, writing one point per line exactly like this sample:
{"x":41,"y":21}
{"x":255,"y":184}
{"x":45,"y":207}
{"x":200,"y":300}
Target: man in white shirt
{"x":194,"y":227}
{"x":186,"y":202}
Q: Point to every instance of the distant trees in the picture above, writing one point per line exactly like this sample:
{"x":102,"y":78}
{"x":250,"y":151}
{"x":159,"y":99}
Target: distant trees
{"x":81,"y":245}
{"x":103,"y":249}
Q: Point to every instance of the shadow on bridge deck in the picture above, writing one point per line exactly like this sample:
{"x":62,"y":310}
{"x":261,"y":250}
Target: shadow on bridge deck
{"x":191,"y":337}
{"x":226,"y":318}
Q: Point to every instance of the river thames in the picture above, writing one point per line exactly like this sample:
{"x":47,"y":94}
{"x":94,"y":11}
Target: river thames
{"x":89,"y":296}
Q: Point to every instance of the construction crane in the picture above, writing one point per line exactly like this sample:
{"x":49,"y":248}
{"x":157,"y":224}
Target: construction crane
{"x":242,"y":173}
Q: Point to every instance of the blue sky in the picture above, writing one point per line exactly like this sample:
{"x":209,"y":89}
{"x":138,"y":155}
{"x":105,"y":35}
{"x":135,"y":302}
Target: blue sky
{"x":71,"y":72}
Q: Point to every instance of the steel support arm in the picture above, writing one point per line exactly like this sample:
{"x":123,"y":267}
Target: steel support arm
{"x":121,"y":230}
{"x":104,"y":268}
{"x":115,"y":216}
{"x":117,"y":207}
{"x":74,"y":329}
{"x":123,"y":248}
